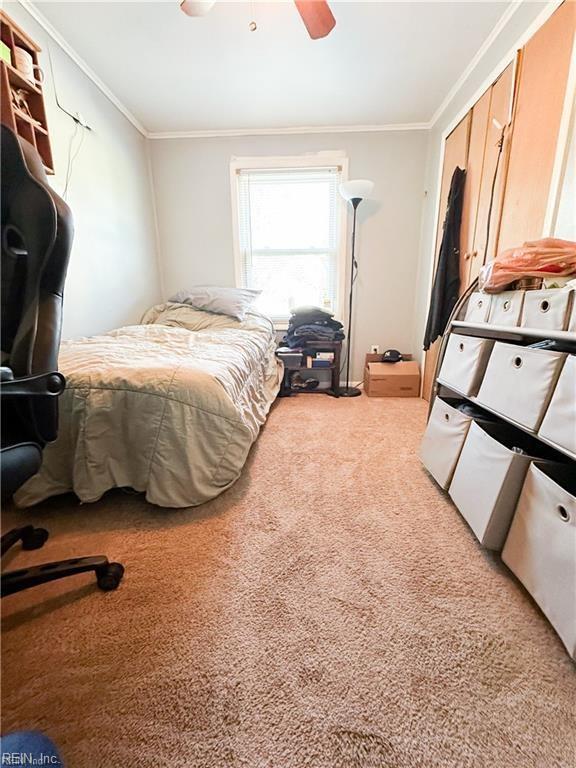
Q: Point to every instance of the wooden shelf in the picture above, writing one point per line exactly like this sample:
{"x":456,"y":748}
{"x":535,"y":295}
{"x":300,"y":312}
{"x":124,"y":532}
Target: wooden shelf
{"x":33,"y":129}
{"x":23,"y":116}
{"x":19,"y":81}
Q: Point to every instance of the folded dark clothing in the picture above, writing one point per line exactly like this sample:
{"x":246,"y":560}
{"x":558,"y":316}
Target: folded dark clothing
{"x":314,"y":329}
{"x":300,"y":337}
{"x":309,"y":315}
{"x":290,"y":341}
{"x":297,"y":343}
{"x":327,"y":323}
{"x":310,"y":309}
{"x":302,"y":341}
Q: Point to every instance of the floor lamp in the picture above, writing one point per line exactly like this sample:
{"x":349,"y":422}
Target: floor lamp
{"x":353,"y":192}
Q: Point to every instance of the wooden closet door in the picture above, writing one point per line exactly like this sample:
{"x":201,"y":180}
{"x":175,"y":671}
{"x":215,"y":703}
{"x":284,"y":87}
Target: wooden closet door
{"x":545,"y":65}
{"x":500,"y":110}
{"x":473,"y":186}
{"x":455,"y":155}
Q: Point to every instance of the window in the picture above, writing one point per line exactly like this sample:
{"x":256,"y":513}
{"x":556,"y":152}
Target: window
{"x":288,"y":235}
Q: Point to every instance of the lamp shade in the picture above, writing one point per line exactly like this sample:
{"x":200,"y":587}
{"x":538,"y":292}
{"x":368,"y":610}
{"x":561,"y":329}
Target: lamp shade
{"x":357,"y":189}
{"x":196,"y":7}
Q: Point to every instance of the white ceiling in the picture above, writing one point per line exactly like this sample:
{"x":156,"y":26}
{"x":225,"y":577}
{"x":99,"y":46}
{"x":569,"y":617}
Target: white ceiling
{"x":385,"y":62}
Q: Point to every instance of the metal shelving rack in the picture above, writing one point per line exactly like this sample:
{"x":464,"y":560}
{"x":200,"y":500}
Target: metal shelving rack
{"x":499,"y":333}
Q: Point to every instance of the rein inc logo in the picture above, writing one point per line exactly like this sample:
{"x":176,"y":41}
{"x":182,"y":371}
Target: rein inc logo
{"x":29,"y":758}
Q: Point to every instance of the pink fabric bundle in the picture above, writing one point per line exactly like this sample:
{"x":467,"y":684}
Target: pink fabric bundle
{"x":537,"y":258}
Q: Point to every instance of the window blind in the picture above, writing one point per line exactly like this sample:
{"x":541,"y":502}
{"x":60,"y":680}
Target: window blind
{"x":288,"y":232}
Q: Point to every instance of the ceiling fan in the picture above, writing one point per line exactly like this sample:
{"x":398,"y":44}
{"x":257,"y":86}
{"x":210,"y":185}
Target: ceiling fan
{"x":316,"y":14}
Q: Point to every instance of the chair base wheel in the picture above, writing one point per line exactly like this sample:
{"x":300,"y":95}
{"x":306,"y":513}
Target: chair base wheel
{"x":110,"y":576}
{"x":34,"y":538}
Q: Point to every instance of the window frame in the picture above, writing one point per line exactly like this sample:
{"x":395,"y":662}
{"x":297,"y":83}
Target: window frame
{"x":311,"y":160}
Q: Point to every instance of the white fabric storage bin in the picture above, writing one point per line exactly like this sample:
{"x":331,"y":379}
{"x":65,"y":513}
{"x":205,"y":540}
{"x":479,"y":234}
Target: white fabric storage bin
{"x":465,"y":362}
{"x":489,"y":477}
{"x":559,"y":423}
{"x":519,"y":382}
{"x":506,"y":308}
{"x":443,"y":440}
{"x":478,"y":308}
{"x":547,"y":309}
{"x":541,"y":546}
{"x":572,"y":320}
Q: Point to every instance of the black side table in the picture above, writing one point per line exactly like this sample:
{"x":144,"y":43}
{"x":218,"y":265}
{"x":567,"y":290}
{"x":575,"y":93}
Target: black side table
{"x":334,"y":368}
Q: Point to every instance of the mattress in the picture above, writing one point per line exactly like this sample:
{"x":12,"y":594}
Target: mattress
{"x":169,"y":407}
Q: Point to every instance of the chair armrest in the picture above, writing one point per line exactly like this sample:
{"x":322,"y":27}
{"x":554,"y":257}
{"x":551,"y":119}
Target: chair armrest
{"x":43,"y":385}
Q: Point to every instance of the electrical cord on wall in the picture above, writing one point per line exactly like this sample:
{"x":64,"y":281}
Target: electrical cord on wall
{"x":73,"y":152}
{"x":493,"y":188}
{"x":72,"y":155}
{"x":76,"y":119}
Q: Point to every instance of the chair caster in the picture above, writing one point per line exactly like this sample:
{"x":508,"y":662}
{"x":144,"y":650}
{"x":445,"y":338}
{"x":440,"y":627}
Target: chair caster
{"x":34,"y":538}
{"x":110,"y":576}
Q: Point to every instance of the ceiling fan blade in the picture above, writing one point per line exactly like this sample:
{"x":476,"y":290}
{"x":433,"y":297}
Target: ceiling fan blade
{"x":317,"y":17}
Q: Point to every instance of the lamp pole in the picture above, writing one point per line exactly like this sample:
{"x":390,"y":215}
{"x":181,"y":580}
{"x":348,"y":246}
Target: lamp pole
{"x":349,"y":391}
{"x":353,"y":192}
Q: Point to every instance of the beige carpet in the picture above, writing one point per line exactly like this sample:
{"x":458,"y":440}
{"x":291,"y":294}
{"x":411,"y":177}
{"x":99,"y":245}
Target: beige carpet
{"x":331,"y":610}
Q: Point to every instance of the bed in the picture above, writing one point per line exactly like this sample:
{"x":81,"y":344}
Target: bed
{"x":169,"y":407}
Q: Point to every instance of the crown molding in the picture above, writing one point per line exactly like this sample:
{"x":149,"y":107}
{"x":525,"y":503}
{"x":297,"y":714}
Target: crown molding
{"x":305,"y":129}
{"x":39,"y":17}
{"x":476,"y":59}
{"x":36,"y":14}
{"x":508,"y":58}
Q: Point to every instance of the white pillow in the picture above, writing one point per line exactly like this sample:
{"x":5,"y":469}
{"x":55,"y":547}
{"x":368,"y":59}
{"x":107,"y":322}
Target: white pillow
{"x":222,"y":301}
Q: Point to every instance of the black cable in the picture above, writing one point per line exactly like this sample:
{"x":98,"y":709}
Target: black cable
{"x":492,"y":193}
{"x":60,"y":107}
{"x":72,"y":155}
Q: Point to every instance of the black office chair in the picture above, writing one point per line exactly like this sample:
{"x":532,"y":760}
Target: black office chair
{"x":37,"y":234}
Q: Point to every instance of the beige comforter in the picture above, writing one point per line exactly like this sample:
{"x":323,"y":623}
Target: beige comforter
{"x":170,"y":407}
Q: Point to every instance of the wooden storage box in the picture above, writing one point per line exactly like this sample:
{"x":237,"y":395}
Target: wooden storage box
{"x":541,"y":546}
{"x":391,"y":379}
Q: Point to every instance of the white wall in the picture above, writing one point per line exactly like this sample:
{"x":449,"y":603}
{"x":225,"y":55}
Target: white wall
{"x":114,"y":272}
{"x":113,"y":275}
{"x":497,"y":56}
{"x":191,"y":179}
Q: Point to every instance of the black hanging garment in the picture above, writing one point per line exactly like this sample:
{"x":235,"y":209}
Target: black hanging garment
{"x":447,"y":280}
